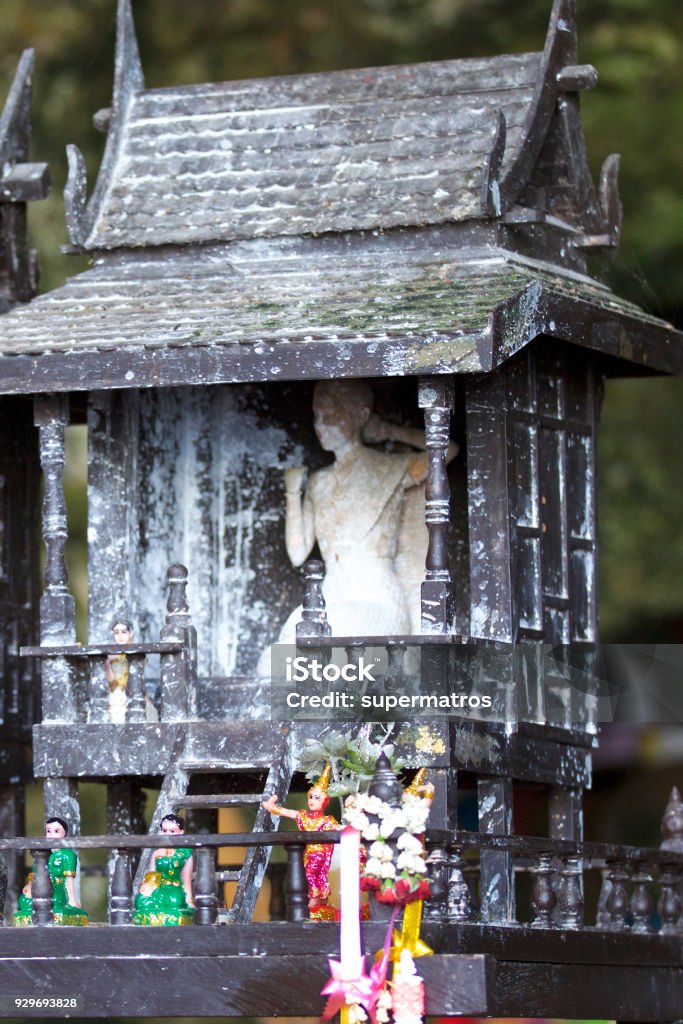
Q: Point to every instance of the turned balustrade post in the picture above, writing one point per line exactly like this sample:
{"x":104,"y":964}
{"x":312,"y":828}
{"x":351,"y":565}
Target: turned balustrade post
{"x":313,"y":614}
{"x":670,"y":905}
{"x":98,"y":689}
{"x":642,"y":903}
{"x":459,"y":897}
{"x":435,"y":396}
{"x":543,"y":895}
{"x":571,"y":891}
{"x":135,"y":689}
{"x":296,"y":887}
{"x":121,"y":891}
{"x":57,"y":606}
{"x":206,"y":900}
{"x":617,"y":903}
{"x":395,"y":675}
{"x":178,"y":671}
{"x":41,"y":889}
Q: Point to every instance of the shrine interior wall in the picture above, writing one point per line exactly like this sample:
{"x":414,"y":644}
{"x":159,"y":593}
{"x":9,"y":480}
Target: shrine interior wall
{"x":195,"y":475}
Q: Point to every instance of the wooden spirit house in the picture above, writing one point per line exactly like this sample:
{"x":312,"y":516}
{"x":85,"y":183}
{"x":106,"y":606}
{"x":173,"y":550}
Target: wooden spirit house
{"x":424,"y":229}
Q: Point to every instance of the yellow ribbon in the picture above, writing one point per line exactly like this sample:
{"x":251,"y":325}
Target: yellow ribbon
{"x":409,"y":935}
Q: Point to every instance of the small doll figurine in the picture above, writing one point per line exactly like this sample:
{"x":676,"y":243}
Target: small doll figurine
{"x":116,"y":668}
{"x":165,"y":895}
{"x":317,"y":856}
{"x":62,"y":866}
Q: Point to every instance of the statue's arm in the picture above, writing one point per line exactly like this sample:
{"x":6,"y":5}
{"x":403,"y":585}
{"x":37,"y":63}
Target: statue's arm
{"x":299,"y":518}
{"x":377,"y":430}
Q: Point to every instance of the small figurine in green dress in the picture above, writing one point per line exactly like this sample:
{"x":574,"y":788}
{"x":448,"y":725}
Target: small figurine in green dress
{"x":62,"y":866}
{"x":165,"y":895}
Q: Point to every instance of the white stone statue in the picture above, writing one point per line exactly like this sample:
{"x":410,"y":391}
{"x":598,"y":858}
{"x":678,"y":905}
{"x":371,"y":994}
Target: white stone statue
{"x":354,"y":509}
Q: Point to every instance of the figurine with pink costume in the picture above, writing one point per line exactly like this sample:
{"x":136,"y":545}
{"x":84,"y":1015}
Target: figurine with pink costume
{"x":317,"y":856}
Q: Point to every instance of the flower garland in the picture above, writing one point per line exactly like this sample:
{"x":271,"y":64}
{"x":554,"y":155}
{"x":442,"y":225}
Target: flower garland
{"x":395,"y":869}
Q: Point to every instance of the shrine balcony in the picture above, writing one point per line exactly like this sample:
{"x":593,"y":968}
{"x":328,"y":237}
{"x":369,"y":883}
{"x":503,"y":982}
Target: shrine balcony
{"x":535,"y":956}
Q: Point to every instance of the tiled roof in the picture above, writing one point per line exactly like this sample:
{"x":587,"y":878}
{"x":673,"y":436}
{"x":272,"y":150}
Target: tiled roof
{"x":290,"y":308}
{"x":309,"y":154}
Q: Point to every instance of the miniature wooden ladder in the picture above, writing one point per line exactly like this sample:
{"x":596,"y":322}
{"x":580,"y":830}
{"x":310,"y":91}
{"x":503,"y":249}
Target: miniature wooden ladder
{"x":173,"y":796}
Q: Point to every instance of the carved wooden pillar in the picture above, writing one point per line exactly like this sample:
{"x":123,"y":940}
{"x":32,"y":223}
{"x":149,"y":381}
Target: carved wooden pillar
{"x":125,"y":815}
{"x":60,"y":797}
{"x":497,"y":866}
{"x":438,"y":605}
{"x":566,"y":822}
{"x":57,"y":607}
{"x":12,"y":817}
{"x":178,"y":671}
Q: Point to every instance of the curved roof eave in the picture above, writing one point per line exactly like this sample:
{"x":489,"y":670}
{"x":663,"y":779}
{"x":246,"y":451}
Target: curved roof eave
{"x":284,"y":311}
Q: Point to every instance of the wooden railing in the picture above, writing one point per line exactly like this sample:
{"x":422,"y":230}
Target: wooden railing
{"x":83,"y":669}
{"x":640,"y":890}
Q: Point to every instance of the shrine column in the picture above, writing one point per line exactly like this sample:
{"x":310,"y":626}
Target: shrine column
{"x":57,"y":606}
{"x":435,"y":396}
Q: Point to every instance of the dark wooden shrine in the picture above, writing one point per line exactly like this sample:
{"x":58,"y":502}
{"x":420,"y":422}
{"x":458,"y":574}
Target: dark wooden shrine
{"x":426,"y":228}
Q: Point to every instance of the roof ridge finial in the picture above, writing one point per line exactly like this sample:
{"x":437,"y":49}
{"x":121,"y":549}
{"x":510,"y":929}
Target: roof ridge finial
{"x":128,"y":73}
{"x":81,"y":213}
{"x":15,"y":119}
{"x":563,"y":20}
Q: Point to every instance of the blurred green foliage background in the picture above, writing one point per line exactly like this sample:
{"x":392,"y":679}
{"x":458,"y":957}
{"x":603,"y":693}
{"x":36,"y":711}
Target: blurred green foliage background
{"x":636,"y":110}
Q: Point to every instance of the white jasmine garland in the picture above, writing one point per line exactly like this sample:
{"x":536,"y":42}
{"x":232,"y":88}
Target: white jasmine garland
{"x":384,"y":1003}
{"x":356,"y":1012}
{"x":409,"y":843}
{"x":371,"y":804}
{"x":408,"y":862}
{"x":355,"y":817}
{"x":391,"y":859}
{"x":391,"y":823}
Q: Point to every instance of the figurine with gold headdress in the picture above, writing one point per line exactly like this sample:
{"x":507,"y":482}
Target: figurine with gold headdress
{"x":317,"y":856}
{"x":419,"y":788}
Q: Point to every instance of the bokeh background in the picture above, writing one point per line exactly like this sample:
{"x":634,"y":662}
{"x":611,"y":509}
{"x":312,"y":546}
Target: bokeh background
{"x":636,"y":110}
